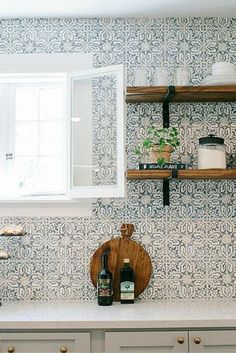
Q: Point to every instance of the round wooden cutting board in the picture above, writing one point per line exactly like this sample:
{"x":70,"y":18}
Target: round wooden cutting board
{"x":119,"y":249}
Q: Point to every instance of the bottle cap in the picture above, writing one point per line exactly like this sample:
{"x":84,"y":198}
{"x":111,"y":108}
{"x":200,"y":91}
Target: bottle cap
{"x":126,"y":261}
{"x":211,"y":139}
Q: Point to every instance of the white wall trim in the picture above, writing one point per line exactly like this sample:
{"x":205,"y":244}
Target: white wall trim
{"x":61,"y":62}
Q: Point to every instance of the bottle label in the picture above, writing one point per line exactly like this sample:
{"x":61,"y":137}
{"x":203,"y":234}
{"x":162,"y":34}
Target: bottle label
{"x":104,"y":287}
{"x":127,"y":290}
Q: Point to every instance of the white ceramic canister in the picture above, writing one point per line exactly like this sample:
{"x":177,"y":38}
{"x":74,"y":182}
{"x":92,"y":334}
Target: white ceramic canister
{"x":161,"y":76}
{"x":140,"y":76}
{"x":181,"y":76}
{"x":211,"y":153}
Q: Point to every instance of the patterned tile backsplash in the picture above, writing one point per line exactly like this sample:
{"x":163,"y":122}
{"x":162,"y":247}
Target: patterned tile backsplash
{"x":192,"y":243}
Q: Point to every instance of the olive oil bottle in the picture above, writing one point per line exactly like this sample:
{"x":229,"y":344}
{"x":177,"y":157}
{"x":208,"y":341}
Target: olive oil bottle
{"x":104,"y":283}
{"x":127,"y":283}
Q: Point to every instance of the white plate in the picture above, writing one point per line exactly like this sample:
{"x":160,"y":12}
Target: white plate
{"x":215,"y":80}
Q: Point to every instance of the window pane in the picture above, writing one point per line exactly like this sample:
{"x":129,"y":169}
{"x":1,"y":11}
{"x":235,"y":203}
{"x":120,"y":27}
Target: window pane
{"x":26,"y":139}
{"x":35,"y":176}
{"x":37,"y":139}
{"x":51,"y":102}
{"x":51,"y":174}
{"x":26,"y":172}
{"x":50,"y":138}
{"x":26,"y":104}
{"x":7,"y":185}
{"x":94,"y":131}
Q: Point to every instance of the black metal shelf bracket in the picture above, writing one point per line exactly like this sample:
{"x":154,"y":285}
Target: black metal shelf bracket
{"x":166,"y":124}
{"x":166,"y":101}
{"x":166,"y":192}
{"x":166,"y":187}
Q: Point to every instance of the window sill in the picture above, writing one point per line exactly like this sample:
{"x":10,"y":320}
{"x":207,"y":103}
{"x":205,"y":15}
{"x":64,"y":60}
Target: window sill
{"x":45,"y":208}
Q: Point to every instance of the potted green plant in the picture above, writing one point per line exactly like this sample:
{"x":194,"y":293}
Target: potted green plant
{"x":158,"y":145}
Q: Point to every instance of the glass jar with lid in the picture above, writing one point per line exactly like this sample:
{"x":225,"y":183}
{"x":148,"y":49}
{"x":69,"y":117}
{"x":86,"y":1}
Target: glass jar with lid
{"x":211,"y":153}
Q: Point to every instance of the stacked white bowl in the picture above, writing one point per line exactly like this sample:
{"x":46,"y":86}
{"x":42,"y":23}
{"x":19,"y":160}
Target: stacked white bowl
{"x":223,"y":73}
{"x":223,"y":68}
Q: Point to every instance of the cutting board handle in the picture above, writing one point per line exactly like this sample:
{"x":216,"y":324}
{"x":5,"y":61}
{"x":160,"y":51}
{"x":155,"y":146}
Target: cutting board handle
{"x":127,"y":230}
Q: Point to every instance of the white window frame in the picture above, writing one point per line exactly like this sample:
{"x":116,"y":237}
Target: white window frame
{"x":45,"y":63}
{"x":26,"y":81}
{"x":117,"y":190}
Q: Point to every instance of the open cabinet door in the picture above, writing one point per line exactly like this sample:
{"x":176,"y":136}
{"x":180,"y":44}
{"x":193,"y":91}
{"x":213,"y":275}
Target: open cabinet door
{"x":97,"y":138}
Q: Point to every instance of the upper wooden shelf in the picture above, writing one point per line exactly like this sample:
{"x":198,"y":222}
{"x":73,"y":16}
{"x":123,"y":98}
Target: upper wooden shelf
{"x":182,"y":94}
{"x":203,"y":174}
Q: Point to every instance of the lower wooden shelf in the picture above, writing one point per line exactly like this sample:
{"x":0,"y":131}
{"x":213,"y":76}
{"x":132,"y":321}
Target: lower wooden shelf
{"x":206,"y":174}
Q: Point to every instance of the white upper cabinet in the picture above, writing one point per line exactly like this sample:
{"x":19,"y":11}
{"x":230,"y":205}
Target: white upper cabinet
{"x":96,"y":133}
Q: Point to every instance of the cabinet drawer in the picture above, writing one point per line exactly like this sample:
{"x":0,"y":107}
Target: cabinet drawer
{"x":45,"y":343}
{"x":212,"y":341}
{"x":146,"y":342}
{"x":37,"y":346}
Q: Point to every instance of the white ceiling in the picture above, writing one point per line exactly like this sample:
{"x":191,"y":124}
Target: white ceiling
{"x":117,"y":8}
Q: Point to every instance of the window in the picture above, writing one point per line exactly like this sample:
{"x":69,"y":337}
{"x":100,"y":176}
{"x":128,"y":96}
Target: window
{"x":33,"y":142}
{"x":61,"y":131}
{"x":97,"y":133}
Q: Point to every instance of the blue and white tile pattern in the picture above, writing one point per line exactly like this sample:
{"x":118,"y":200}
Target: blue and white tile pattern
{"x":192,"y":243}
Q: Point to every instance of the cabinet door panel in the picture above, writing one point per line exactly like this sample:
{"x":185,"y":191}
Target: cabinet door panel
{"x":213,"y":341}
{"x":45,"y":342}
{"x":145,"y":342}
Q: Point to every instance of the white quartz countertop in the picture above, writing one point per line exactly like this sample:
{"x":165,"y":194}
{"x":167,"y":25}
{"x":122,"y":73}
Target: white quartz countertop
{"x":141,"y":315}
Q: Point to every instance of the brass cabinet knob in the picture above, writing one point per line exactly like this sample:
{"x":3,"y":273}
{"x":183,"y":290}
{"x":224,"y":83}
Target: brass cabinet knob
{"x":197,"y":340}
{"x":11,"y":349}
{"x":63,"y":349}
{"x":180,"y":340}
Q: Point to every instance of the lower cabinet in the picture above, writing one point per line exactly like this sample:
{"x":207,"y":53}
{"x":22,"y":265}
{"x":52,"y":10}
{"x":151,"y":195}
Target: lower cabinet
{"x":202,"y":341}
{"x":146,"y":342}
{"x":171,"y":342}
{"x":45,"y":343}
{"x":212,"y":341}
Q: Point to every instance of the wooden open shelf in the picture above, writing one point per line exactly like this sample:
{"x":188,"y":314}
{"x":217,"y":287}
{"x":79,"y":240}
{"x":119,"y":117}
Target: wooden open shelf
{"x":206,"y":174}
{"x":165,"y":95}
{"x":182,"y":94}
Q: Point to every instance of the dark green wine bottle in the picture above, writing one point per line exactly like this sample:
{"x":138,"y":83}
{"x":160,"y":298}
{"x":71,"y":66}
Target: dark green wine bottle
{"x":127,"y":283}
{"x":104,"y":283}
